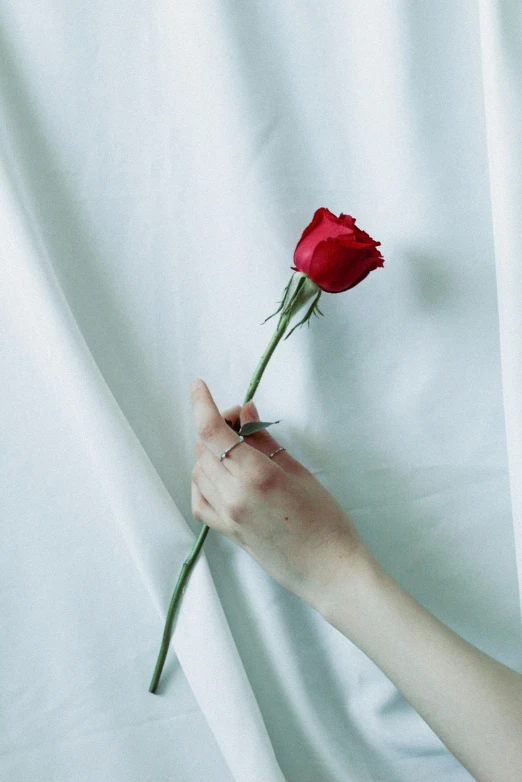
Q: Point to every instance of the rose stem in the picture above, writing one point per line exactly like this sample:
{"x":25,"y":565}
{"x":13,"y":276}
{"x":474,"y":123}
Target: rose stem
{"x":189,"y":562}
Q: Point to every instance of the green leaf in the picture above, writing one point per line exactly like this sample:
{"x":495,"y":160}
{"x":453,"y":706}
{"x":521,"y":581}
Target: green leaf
{"x":255,"y":426}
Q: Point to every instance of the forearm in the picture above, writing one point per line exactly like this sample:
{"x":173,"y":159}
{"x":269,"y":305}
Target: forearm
{"x":471,"y":701}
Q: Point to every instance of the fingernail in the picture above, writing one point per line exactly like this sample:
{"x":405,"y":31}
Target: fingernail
{"x":254,"y":408}
{"x":195,"y":384}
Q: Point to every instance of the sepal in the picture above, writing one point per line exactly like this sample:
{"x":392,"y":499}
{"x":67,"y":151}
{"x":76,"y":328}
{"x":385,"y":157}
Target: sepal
{"x":283,"y":301}
{"x":311,"y":311}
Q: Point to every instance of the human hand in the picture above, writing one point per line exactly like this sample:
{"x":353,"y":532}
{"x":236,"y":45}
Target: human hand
{"x":275,"y":509}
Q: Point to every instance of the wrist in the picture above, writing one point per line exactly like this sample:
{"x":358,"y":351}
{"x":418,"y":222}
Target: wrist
{"x":352,"y":586}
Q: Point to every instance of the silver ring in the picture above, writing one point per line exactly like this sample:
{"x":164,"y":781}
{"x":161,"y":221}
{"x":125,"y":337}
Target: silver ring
{"x":279,"y":449}
{"x":241,"y":438}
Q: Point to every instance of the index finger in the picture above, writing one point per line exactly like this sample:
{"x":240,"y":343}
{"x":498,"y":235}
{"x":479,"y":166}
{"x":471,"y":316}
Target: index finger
{"x":216,"y":433}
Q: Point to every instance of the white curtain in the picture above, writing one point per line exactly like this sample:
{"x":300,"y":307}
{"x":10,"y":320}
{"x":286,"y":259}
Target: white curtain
{"x":159,"y":162}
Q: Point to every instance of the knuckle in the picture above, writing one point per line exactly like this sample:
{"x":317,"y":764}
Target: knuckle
{"x":197,"y":511}
{"x":198,"y":447}
{"x":296,"y":468}
{"x":236,"y":509}
{"x":236,"y":534}
{"x":263,"y":479}
{"x":208,"y":431}
{"x":195,"y":472}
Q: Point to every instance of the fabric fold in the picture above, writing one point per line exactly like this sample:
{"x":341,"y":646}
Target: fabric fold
{"x":155,"y":533}
{"x":501,"y":46}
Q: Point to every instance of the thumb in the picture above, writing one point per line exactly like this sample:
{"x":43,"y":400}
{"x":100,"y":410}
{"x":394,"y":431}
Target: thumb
{"x":249,"y":412}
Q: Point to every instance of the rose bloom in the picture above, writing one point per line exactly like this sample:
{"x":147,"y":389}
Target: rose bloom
{"x":335,"y":253}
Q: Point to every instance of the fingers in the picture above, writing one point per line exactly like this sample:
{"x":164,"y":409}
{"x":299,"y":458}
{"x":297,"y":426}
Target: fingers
{"x":264,"y":442}
{"x":217,"y":435}
{"x":201,"y":509}
{"x":209,"y":507}
{"x":210,"y":467}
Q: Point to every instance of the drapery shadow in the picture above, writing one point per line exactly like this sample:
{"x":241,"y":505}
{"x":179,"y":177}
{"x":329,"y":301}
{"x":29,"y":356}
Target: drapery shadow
{"x":59,"y":217}
{"x":279,"y":704}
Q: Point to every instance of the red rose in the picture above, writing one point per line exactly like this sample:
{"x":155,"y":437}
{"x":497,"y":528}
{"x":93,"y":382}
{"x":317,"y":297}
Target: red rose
{"x":335,"y":253}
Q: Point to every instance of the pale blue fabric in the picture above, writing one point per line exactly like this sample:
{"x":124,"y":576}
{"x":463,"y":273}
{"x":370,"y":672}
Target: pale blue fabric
{"x":159,"y":162}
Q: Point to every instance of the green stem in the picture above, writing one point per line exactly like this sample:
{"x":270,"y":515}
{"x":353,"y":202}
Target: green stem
{"x":189,"y":562}
{"x":265,"y":358}
{"x":172,"y":608}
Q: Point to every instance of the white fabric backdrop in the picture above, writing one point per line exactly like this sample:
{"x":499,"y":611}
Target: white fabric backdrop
{"x":159,"y":162}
